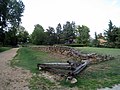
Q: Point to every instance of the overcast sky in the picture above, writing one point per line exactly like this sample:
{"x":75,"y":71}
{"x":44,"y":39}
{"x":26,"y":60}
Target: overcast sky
{"x":93,"y":13}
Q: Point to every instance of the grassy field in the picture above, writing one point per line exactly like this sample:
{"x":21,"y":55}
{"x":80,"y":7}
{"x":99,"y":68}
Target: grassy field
{"x":28,"y":59}
{"x":103,"y":51}
{"x":104,"y":74}
{"x":4,"y":48}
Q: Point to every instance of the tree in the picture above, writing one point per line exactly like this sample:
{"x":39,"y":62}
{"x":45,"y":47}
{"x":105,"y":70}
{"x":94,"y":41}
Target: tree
{"x":59,"y":33}
{"x":100,"y":36}
{"x":3,"y":18}
{"x":13,"y":39}
{"x":69,"y":32}
{"x":10,"y":38}
{"x":108,"y":33}
{"x":95,"y":41}
{"x":112,"y":35}
{"x":51,"y":36}
{"x":117,"y":38}
{"x":22,"y":35}
{"x":38,"y":35}
{"x":10,"y":18}
{"x":83,"y":34}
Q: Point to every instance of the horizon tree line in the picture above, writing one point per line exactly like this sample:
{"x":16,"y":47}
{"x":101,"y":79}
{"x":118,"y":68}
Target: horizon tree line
{"x":69,"y":33}
{"x":12,"y":33}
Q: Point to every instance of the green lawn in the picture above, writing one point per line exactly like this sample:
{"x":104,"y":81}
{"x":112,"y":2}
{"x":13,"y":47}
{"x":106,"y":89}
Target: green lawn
{"x":29,"y":58}
{"x":4,"y":48}
{"x":100,"y":75}
{"x":105,"y":74}
{"x":103,"y":51}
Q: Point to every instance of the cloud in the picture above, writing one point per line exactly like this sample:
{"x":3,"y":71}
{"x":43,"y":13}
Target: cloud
{"x":93,"y":13}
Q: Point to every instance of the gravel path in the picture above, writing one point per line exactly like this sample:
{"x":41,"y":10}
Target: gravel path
{"x":12,"y":78}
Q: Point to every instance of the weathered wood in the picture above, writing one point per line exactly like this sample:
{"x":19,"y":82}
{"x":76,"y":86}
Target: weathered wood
{"x":54,"y":65}
{"x":81,"y":67}
{"x":69,"y":65}
{"x":69,"y":69}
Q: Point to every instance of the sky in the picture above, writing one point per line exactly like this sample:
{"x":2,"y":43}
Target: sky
{"x":95,"y":14}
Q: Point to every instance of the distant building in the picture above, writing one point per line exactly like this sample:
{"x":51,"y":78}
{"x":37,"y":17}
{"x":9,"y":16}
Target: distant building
{"x":102,"y":41}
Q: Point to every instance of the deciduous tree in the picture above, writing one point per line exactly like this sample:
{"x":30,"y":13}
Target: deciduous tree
{"x":22,"y":35}
{"x":38,"y":35}
{"x":10,"y":18}
{"x":69,"y":32}
{"x":51,"y":36}
{"x":83,"y":34}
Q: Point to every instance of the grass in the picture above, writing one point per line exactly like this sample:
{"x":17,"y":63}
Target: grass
{"x":29,"y":58}
{"x":105,"y":74}
{"x":4,"y":48}
{"x":103,"y":51}
{"x":40,"y":83}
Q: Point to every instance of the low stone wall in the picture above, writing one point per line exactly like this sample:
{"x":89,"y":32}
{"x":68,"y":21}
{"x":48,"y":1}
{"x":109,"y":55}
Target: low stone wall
{"x":72,"y":53}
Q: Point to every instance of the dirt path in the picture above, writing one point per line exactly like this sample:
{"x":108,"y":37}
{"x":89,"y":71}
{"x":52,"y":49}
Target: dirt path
{"x":12,"y":78}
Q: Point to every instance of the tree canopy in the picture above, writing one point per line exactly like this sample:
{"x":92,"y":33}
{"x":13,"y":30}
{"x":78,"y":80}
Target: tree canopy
{"x":69,"y":32}
{"x":10,"y":18}
{"x":83,"y":34}
{"x":112,"y":35}
{"x":22,"y":35}
{"x":38,"y":35}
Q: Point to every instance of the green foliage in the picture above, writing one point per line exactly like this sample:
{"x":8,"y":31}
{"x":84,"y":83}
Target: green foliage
{"x":10,"y":18}
{"x":4,"y":48}
{"x":69,"y":32}
{"x":38,"y":35}
{"x":13,"y":37}
{"x":83,"y":34}
{"x":3,"y":17}
{"x":65,"y":35}
{"x":60,"y":36}
{"x":95,"y":42}
{"x":16,"y":8}
{"x":51,"y":36}
{"x":100,"y":36}
{"x":22,"y":35}
{"x":112,"y":35}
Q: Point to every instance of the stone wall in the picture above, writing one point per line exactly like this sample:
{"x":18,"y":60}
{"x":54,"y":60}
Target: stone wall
{"x":74,"y":54}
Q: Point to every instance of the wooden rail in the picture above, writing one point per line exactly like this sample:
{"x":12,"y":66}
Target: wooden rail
{"x":69,"y":69}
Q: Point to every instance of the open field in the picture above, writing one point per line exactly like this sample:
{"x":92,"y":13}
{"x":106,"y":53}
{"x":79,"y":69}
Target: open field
{"x":104,"y":74}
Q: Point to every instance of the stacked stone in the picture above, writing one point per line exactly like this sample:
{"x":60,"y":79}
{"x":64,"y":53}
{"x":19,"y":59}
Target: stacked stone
{"x":74,"y":54}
